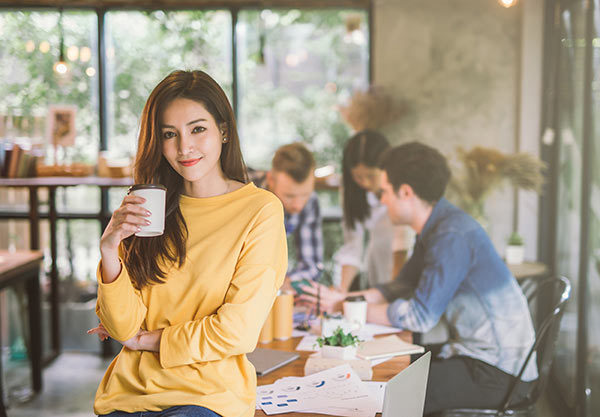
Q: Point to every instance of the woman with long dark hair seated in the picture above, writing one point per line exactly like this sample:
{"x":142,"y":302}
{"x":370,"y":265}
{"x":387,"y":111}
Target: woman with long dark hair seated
{"x":372,"y":245}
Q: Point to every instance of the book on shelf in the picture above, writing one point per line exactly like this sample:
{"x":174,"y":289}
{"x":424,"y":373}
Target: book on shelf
{"x":17,"y":161}
{"x":15,"y":158}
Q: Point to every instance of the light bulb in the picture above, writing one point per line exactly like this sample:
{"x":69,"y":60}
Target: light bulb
{"x":507,"y":3}
{"x":61,"y":68}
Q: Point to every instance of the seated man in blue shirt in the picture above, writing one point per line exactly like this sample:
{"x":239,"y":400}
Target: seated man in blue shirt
{"x":455,"y":275}
{"x":292,"y":180}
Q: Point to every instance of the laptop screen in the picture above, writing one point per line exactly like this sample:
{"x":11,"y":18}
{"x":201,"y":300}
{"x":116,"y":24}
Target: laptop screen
{"x":405,"y":393}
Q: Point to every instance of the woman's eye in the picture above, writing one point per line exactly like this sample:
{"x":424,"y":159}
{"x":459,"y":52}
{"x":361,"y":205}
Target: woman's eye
{"x":168,"y":135}
{"x":198,"y":129}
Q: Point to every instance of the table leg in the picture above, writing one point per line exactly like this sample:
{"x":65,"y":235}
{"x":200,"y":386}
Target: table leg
{"x":54,"y":284}
{"x":2,"y":408}
{"x":34,"y":219}
{"x":35,"y":329}
{"x":104,"y":216}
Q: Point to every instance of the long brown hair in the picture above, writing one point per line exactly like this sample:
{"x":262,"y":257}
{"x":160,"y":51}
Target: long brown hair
{"x":143,"y":257}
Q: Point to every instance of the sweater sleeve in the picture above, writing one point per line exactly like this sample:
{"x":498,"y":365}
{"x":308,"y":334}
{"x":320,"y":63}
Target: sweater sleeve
{"x":234,"y":328}
{"x":119,"y":306}
{"x":447,"y":262}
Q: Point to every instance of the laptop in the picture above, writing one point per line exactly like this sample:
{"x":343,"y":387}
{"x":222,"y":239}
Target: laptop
{"x":267,"y":360}
{"x":404,"y":394}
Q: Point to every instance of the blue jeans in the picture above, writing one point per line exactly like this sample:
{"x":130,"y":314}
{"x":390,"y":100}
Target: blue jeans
{"x":178,"y":411}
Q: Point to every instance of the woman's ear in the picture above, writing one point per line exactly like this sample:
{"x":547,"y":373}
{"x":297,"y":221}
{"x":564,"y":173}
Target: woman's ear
{"x":223,"y":129}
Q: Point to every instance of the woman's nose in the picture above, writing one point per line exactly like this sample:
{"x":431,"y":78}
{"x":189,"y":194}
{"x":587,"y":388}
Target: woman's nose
{"x":185,"y":144}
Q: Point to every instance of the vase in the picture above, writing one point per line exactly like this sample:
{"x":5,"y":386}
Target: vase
{"x":338,"y":352}
{"x":515,"y":254}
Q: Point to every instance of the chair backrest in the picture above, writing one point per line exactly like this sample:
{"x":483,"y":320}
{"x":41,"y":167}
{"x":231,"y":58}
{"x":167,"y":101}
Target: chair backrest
{"x":558,"y":290}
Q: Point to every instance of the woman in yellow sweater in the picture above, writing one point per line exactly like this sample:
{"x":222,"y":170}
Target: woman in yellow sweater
{"x":188,"y":305}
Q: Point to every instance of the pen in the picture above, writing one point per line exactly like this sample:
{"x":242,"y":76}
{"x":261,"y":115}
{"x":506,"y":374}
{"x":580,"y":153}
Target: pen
{"x":319,"y":300}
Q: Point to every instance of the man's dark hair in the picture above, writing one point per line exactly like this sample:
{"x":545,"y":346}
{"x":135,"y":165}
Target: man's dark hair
{"x":420,"y":166}
{"x":295,"y":160}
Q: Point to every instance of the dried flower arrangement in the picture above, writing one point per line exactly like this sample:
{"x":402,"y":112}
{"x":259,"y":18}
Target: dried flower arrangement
{"x":484,"y":170}
{"x":371,"y":109}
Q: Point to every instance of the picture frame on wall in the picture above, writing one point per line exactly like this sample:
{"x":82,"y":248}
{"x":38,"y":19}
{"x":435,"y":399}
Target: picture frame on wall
{"x":60,"y":125}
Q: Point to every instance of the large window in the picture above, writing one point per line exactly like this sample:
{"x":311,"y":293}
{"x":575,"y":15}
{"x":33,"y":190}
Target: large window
{"x":568,"y":224}
{"x":575,"y":112}
{"x":162,"y":42}
{"x":295,"y":67}
{"x":594,"y":228}
{"x":29,"y":47}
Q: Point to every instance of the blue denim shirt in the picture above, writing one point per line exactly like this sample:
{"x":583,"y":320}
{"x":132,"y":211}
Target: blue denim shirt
{"x":456,"y":274}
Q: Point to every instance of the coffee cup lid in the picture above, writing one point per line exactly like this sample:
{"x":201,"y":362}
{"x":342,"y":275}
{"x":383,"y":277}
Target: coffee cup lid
{"x":355,"y":298}
{"x":145,"y":186}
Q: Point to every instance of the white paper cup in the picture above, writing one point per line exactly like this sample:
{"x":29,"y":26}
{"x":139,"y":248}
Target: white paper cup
{"x":155,"y":196}
{"x":355,"y":312}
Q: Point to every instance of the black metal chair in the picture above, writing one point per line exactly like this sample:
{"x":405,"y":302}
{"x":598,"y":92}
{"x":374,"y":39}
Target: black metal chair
{"x":558,"y":290}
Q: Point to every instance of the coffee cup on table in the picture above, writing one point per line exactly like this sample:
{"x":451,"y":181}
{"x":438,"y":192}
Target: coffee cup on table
{"x":355,"y":310}
{"x":155,"y":195}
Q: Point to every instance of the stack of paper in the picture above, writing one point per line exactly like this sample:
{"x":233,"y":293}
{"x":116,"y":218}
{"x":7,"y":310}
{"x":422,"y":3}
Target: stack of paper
{"x":336,"y":391}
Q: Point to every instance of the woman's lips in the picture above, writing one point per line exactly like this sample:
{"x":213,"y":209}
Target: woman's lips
{"x":190,"y":162}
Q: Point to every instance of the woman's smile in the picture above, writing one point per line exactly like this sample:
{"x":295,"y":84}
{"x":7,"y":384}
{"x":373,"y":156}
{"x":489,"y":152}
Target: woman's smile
{"x":189,"y":162}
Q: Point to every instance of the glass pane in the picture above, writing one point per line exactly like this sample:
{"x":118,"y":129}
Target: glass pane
{"x":570,"y":114}
{"x":162,"y":42}
{"x":295,"y":66}
{"x":594,"y":260}
{"x":29,"y":48}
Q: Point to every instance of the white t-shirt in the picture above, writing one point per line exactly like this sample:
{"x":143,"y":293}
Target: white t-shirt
{"x":384,"y":239}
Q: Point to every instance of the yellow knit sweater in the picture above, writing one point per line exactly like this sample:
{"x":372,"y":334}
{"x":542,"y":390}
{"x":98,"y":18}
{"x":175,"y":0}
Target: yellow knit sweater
{"x":211,"y":310}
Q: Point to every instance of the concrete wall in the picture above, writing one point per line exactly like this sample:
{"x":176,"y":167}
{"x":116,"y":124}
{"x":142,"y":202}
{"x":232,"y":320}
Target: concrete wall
{"x":457,"y":65}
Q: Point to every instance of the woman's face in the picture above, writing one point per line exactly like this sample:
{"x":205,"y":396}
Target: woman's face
{"x":191,"y":141}
{"x":367,"y":178}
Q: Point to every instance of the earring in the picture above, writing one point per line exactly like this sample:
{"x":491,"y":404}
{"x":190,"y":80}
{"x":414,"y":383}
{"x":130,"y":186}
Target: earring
{"x":224,"y":140}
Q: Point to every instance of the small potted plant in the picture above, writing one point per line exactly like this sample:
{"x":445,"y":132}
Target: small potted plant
{"x":515,"y":251}
{"x":339,"y":345}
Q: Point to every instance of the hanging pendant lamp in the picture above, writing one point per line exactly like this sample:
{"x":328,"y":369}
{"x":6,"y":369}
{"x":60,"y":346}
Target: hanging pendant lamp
{"x":60,"y":66}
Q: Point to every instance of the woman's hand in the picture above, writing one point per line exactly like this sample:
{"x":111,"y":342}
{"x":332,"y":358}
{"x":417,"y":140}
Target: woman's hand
{"x":143,"y":340}
{"x":322,"y":298}
{"x":125,"y":221}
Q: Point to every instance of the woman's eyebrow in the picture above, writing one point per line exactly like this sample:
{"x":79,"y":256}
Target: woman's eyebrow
{"x":187,"y":124}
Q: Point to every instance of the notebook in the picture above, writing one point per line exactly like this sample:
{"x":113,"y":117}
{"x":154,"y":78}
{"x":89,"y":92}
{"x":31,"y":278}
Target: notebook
{"x":382,"y":347}
{"x":405,"y":393}
{"x":267,"y":360}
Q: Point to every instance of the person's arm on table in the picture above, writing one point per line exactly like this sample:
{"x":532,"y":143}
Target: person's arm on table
{"x":446,"y":263}
{"x":331,"y":300}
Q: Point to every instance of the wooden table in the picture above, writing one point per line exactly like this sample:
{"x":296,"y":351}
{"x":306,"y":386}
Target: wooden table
{"x":23,"y":267}
{"x":34,"y":215}
{"x":528,"y":270}
{"x":381,"y":372}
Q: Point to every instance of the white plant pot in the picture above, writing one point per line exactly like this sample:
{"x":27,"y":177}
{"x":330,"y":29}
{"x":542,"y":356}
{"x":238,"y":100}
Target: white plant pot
{"x":515,"y":254}
{"x":338,"y":352}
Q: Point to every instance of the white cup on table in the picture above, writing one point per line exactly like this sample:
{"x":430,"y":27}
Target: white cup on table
{"x":355,"y":310}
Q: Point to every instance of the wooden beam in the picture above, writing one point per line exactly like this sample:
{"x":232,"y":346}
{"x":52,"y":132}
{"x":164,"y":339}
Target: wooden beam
{"x":185,"y":4}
